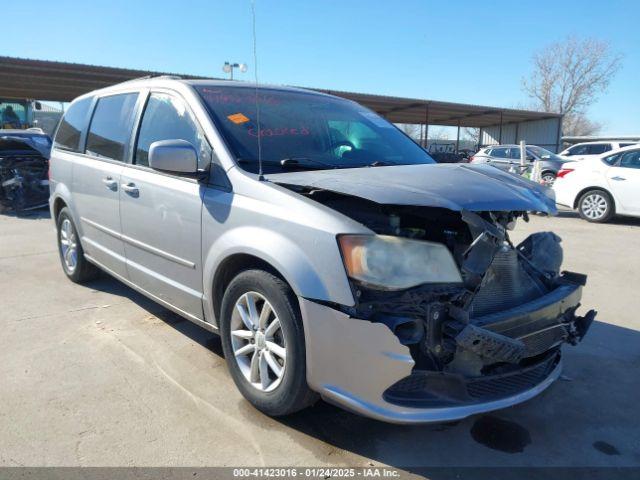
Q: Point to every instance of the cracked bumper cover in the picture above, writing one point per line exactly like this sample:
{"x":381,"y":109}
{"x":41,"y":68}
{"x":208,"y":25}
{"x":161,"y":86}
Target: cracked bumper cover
{"x":353,"y":362}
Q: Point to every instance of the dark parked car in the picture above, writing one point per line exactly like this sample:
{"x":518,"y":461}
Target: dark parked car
{"x":507,"y":157}
{"x":24,"y":164}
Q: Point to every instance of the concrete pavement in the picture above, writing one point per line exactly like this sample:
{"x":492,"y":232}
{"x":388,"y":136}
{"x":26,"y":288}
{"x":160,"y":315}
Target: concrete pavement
{"x":97,"y":375}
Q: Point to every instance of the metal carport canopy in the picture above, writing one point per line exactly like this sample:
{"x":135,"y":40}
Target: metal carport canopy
{"x":62,"y":81}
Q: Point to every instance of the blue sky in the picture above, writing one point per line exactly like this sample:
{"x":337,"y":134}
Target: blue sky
{"x":464,"y":51}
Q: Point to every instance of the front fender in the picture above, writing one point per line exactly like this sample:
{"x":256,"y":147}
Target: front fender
{"x":309,"y":273}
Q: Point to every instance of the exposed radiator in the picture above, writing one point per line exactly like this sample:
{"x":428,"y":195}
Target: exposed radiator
{"x":506,"y":285}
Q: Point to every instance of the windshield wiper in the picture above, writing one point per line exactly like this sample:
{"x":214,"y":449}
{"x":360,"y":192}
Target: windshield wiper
{"x":305,"y":162}
{"x":382,"y":163}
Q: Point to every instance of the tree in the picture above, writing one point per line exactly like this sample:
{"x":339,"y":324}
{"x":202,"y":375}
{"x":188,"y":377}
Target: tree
{"x":567,"y":78}
{"x":412,"y":130}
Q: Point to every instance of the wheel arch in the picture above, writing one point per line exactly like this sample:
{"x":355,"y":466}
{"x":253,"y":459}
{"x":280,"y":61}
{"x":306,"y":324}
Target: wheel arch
{"x":58,"y":204}
{"x":229,"y":268}
{"x":586,"y":189}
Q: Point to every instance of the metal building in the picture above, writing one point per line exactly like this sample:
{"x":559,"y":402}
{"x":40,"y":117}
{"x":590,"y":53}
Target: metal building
{"x":546,"y":133}
{"x":61,"y":81}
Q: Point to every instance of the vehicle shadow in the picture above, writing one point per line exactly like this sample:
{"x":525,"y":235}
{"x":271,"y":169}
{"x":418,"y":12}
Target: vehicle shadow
{"x":600,"y":371}
{"x":36,"y":214}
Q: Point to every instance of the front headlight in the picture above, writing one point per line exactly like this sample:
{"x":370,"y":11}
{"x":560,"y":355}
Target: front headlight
{"x":394,"y":263}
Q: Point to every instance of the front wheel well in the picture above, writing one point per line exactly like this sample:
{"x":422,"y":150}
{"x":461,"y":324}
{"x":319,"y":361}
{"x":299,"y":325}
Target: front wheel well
{"x":58,"y":205}
{"x":585,"y":190}
{"x":230,"y":268}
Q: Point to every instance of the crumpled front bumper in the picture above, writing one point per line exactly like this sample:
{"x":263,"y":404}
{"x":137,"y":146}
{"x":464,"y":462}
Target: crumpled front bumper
{"x":353,"y":362}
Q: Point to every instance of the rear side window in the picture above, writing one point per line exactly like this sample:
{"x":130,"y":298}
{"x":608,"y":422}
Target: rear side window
{"x":167,"y":118}
{"x":514,"y":153}
{"x":622,"y":145}
{"x":111,"y":126}
{"x":71,"y":126}
{"x":577,"y":150}
{"x":499,"y":152}
{"x":598,"y":148}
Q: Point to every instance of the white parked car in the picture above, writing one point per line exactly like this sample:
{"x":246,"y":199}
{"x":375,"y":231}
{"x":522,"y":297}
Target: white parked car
{"x":586,"y":150}
{"x":603,"y":186}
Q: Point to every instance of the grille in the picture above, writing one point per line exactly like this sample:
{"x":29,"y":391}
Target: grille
{"x":507,"y":285}
{"x":542,"y":341}
{"x":509,"y":384}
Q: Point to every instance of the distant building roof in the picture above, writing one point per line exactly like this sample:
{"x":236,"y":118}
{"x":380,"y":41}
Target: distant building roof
{"x":61,"y":81}
{"x":600,"y":138}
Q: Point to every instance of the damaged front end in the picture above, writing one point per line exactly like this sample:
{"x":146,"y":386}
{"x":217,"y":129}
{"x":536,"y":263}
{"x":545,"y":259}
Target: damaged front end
{"x":493,"y":335}
{"x":24,"y":183}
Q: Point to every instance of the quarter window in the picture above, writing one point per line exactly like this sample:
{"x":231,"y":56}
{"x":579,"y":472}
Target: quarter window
{"x":71,"y":126}
{"x":111,"y":126}
{"x":167,"y":118}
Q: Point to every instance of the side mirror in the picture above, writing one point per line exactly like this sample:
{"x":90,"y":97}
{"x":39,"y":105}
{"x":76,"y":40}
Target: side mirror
{"x":177,"y":156}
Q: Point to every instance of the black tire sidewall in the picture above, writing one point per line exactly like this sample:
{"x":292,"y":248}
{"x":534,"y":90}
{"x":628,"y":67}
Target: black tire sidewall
{"x":607,"y":214}
{"x":289,"y":395}
{"x":84,"y":270}
{"x":548,"y":174}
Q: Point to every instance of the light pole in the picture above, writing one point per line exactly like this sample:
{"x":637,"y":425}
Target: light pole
{"x":228,"y":68}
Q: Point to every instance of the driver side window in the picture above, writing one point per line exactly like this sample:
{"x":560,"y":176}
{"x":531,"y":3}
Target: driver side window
{"x":166,"y":117}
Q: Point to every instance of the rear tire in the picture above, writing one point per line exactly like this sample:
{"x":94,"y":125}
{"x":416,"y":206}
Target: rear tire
{"x":548,"y":178}
{"x":75,"y":266}
{"x":596,"y":206}
{"x":265,"y":344}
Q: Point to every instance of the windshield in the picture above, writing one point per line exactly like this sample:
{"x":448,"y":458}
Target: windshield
{"x":305,"y":130}
{"x":544,"y":154}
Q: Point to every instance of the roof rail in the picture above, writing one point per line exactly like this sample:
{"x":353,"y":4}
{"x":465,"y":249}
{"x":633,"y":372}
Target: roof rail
{"x":155,"y":75}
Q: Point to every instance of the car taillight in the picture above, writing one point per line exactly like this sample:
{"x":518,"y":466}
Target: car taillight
{"x":564,"y":172}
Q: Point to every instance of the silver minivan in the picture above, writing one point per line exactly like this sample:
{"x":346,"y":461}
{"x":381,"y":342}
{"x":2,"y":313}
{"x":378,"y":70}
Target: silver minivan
{"x":331,"y":254}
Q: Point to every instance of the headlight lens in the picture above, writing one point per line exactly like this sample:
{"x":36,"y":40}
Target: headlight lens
{"x":394,"y":263}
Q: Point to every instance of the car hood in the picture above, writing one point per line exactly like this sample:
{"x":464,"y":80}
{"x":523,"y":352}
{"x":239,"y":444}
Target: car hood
{"x":16,"y":145}
{"x":453,"y":186}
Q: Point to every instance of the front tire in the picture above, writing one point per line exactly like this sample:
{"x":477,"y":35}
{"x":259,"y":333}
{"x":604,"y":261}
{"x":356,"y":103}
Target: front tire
{"x":75,"y":266}
{"x":596,"y":206}
{"x":263,"y":343}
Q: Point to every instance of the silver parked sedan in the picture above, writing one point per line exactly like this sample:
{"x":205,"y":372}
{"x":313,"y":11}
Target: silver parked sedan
{"x":507,"y":158}
{"x":331,"y":254}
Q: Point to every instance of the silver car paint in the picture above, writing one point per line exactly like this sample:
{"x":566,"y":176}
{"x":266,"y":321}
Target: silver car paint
{"x":365,"y":358}
{"x":176,"y":233}
{"x":546,"y":165}
{"x":453,"y":186}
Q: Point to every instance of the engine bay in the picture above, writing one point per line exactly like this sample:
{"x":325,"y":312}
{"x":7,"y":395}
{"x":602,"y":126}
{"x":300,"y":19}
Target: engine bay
{"x":489,"y":322}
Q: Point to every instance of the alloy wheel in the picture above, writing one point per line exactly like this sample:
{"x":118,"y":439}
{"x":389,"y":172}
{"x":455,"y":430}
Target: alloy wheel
{"x":258,"y":342}
{"x":594,"y":206}
{"x":548,"y":179}
{"x":69,"y":245}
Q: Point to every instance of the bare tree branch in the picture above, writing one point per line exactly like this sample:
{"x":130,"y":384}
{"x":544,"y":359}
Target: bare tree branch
{"x":568,"y":76}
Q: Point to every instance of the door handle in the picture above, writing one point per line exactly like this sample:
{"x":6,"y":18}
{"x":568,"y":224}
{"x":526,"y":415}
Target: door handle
{"x":618,"y":178}
{"x":131,"y":189}
{"x":110,"y":183}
